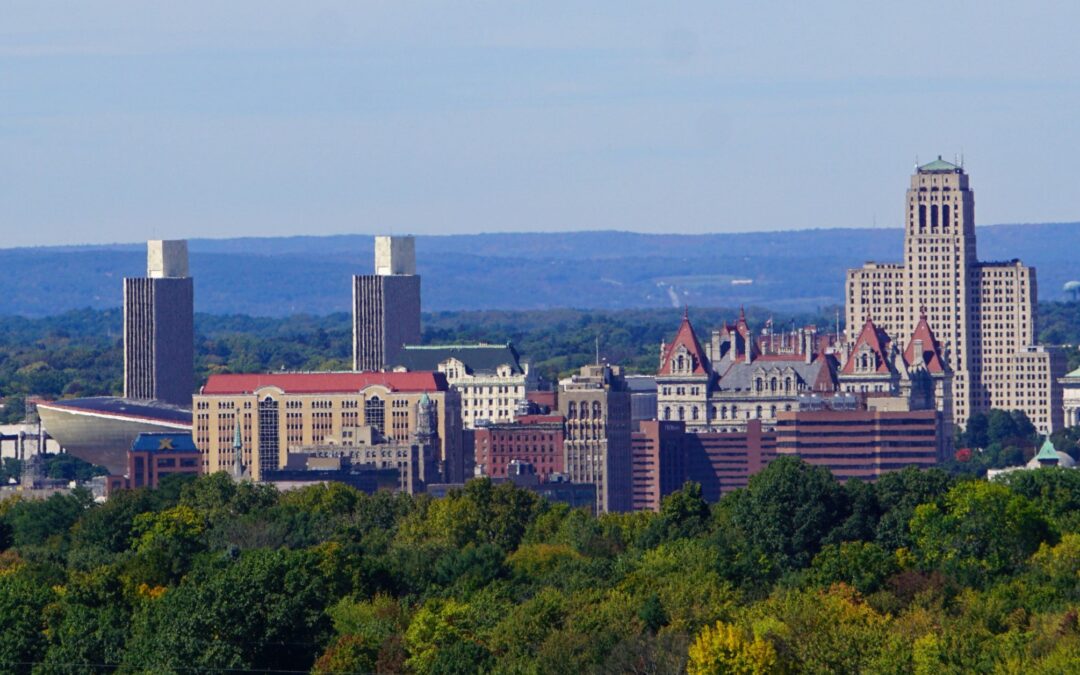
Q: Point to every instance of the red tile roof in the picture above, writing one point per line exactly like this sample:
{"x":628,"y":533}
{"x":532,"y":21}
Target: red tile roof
{"x":931,"y":355}
{"x":323,"y":383}
{"x":685,"y":338}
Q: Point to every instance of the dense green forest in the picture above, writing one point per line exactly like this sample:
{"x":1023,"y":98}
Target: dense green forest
{"x":80,"y":353}
{"x":918,"y":573}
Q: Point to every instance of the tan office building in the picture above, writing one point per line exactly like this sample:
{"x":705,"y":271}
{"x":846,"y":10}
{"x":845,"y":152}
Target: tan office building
{"x":280,"y":412}
{"x":596,"y":405}
{"x":983,"y":313}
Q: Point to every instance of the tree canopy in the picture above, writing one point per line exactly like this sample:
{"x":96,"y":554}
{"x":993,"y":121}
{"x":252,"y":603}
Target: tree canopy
{"x":919,"y":572}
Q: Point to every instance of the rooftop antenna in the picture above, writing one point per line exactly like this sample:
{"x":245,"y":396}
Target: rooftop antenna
{"x":597,"y":349}
{"x":838,"y":324}
{"x":961,"y":158}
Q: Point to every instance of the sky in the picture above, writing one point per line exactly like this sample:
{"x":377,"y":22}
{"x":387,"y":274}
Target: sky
{"x":122,"y":121}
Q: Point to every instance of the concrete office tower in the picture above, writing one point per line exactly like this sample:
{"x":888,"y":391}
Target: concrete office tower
{"x":596,"y":405}
{"x":159,"y":327}
{"x":386,"y":305}
{"x":983,"y":313}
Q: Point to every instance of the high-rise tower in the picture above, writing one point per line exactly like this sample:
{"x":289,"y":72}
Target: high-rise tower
{"x":983,"y":313}
{"x":386,"y":305}
{"x":159,"y":334}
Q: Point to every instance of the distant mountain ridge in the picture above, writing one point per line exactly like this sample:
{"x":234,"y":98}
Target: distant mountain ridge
{"x":798,"y":270}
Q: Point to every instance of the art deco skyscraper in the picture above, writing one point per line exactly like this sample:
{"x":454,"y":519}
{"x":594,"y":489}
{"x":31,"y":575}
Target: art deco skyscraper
{"x":983,"y":313}
{"x":159,"y":333}
{"x":386,"y":305}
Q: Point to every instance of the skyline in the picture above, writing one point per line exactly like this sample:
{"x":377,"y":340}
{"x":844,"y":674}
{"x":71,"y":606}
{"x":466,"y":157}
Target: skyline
{"x":125,"y":122}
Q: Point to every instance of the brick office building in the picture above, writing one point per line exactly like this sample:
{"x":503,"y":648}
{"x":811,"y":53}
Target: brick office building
{"x":155,"y":455}
{"x":535,"y":439}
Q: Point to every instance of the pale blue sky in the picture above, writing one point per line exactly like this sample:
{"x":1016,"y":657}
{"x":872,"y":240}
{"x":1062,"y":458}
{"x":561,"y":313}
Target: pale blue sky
{"x":126,"y":120}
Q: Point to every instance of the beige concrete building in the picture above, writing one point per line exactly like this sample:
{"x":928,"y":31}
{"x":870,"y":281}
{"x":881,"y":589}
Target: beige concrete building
{"x":415,"y":459}
{"x":386,"y":305}
{"x":982,"y":313}
{"x":491,"y":379}
{"x":596,"y":405}
{"x":281,"y":413}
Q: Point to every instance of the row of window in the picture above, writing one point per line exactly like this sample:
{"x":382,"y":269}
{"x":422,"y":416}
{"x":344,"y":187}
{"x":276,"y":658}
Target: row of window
{"x":719,"y":412}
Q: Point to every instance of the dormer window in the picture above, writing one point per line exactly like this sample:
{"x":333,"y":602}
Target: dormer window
{"x":682,"y":363}
{"x":865,"y":361}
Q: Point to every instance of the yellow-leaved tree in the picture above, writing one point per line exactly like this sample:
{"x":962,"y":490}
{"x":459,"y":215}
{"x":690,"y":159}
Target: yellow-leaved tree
{"x":724,"y":648}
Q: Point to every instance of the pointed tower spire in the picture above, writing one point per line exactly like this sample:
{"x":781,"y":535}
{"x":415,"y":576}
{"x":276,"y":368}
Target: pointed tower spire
{"x":238,"y":451}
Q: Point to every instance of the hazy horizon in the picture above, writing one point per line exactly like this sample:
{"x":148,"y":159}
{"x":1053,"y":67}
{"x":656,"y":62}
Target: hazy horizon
{"x":141,"y":242}
{"x":125,"y":121}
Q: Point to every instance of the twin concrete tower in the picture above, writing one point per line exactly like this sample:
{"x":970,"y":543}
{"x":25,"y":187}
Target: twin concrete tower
{"x":386,"y":305}
{"x":159,"y":326}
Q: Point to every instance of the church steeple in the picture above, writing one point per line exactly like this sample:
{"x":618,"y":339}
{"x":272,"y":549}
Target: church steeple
{"x":426,"y":425}
{"x":238,"y":451}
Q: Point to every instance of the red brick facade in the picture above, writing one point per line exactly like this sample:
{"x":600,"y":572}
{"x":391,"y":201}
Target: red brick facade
{"x":536,"y":439}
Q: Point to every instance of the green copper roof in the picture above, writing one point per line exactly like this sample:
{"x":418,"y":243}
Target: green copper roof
{"x":1047,"y":453}
{"x":939,"y":165}
{"x":238,"y":440}
{"x":1074,"y":373}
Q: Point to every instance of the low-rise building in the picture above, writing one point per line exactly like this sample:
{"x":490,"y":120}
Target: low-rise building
{"x":535,"y":439}
{"x":284,"y":412}
{"x":556,"y":488}
{"x":154,"y":455}
{"x":491,"y":379}
{"x":861,"y":443}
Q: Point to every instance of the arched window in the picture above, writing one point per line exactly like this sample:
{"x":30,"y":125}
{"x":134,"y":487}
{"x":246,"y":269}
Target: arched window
{"x":787,"y":385}
{"x":714,"y":413}
{"x":734,"y":411}
{"x":694,"y":413}
{"x":667,"y":412}
{"x":759,"y":412}
{"x":787,"y":407}
{"x":375,"y":413}
{"x":571,"y":410}
{"x":772,"y":385}
{"x":758,"y":385}
{"x":772,"y":412}
{"x":679,"y":367}
{"x":723,"y":413}
{"x":682,"y":413}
